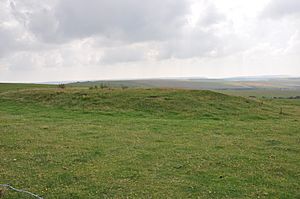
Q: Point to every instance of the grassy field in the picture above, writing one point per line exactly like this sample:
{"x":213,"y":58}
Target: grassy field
{"x":147,"y":143}
{"x":14,"y":87}
{"x":262,"y":93}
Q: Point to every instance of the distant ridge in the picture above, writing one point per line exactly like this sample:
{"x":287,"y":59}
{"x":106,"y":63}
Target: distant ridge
{"x":234,"y":83}
{"x":238,"y":78}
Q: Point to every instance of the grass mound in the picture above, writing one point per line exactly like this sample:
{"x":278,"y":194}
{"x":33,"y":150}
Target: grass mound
{"x":148,"y":102}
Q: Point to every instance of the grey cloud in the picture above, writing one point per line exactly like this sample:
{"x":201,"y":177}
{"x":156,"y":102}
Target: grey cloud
{"x":128,"y":20}
{"x":13,"y":39}
{"x":211,"y":16}
{"x":123,"y":54}
{"x":22,"y":61}
{"x":38,"y":18}
{"x":113,"y":24}
{"x":200,"y":41}
{"x":196,"y":44}
{"x":7,"y":41}
{"x":280,"y":8}
{"x":43,"y":24}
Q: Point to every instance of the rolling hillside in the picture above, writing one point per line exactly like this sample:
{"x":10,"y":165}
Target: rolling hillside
{"x":147,"y":143}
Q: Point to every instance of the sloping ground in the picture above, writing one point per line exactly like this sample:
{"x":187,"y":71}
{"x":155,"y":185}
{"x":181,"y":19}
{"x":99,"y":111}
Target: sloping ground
{"x":169,"y":103}
{"x":263,"y":93}
{"x":138,"y":143}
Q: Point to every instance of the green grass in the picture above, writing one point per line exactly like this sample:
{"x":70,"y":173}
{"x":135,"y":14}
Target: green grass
{"x":148,"y":143}
{"x":262,"y":93}
{"x":9,"y":86}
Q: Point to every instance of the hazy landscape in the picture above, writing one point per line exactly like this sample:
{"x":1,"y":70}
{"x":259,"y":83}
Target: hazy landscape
{"x":140,"y":139}
{"x":258,"y":83}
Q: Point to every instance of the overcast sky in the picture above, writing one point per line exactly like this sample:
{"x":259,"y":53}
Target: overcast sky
{"x":53,"y":40}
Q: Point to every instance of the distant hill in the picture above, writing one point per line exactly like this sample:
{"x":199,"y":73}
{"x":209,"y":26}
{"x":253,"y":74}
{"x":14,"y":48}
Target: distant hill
{"x":242,"y":83}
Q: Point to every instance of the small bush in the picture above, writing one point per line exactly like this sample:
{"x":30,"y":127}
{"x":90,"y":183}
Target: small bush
{"x":62,"y":86}
{"x":102,"y":86}
{"x":124,"y":87}
{"x":281,"y":111}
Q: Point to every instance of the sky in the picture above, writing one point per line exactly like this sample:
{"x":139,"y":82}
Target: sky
{"x":67,"y":40}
